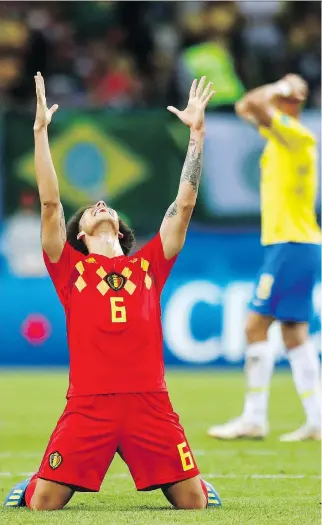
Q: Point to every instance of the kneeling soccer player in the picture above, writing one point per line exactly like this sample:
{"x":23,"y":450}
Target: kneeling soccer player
{"x":117,"y":399}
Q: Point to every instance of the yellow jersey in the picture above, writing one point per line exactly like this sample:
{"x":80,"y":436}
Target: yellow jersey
{"x":289,"y":183}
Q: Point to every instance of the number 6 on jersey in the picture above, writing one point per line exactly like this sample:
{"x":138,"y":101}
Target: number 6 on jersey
{"x":118,"y":312}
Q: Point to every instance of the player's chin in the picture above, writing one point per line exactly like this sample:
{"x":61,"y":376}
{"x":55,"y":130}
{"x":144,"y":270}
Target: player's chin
{"x":105,"y":218}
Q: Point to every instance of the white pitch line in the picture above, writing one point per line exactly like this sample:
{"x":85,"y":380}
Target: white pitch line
{"x":25,"y":455}
{"x":199,"y":452}
{"x":12,"y":474}
{"x":262,"y":476}
{"x":234,"y":452}
{"x":260,"y":452}
{"x":211,"y":475}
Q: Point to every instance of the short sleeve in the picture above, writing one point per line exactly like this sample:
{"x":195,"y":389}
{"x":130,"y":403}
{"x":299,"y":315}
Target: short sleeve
{"x":290,"y":131}
{"x":156,"y":263}
{"x":61,"y":270}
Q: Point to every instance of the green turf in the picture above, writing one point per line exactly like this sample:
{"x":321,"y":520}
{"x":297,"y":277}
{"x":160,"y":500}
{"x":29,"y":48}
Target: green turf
{"x":31,"y":403}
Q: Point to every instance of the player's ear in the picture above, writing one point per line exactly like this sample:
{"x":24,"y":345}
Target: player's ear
{"x":80,"y":235}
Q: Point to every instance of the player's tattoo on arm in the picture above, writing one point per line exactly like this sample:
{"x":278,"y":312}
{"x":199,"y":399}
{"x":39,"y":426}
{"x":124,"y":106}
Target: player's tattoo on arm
{"x":172,"y":210}
{"x":62,"y":224}
{"x":191,"y":171}
{"x":188,"y":187}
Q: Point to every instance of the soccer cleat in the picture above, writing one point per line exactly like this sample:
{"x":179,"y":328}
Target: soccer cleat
{"x":239,"y":428}
{"x":303,"y":433}
{"x":213,"y":496}
{"x":16,"y":496}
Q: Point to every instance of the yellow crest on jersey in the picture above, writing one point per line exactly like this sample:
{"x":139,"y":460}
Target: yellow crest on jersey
{"x":55,"y":460}
{"x":115,"y":281}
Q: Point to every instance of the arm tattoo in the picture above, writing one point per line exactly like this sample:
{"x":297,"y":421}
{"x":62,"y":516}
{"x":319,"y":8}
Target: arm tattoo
{"x":191,"y":171}
{"x":62,"y":224}
{"x":171,"y":211}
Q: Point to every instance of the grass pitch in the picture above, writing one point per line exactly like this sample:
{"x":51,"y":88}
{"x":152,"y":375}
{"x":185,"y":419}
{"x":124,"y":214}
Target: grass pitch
{"x":260,"y":483}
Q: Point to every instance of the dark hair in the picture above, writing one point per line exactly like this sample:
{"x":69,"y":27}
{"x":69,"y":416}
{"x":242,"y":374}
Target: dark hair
{"x":127,"y":242}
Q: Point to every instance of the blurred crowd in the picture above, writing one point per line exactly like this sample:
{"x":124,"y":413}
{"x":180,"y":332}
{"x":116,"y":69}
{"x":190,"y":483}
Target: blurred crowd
{"x":138,"y":54}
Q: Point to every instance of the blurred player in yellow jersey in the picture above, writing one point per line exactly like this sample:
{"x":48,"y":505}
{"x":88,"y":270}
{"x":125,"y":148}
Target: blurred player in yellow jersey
{"x":291,"y":237}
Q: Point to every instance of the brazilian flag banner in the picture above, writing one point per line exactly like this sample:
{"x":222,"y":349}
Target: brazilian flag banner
{"x":132,"y":160}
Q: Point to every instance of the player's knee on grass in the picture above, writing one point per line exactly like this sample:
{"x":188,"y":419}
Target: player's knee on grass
{"x":294,"y":334}
{"x":186,"y":495}
{"x":257,"y":326}
{"x":50,"y":496}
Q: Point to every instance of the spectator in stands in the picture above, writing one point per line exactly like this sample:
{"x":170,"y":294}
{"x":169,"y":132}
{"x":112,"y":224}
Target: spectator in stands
{"x":236,"y":43}
{"x":13,"y":40}
{"x":212,"y":55}
{"x":263,"y":41}
{"x":304,"y":54}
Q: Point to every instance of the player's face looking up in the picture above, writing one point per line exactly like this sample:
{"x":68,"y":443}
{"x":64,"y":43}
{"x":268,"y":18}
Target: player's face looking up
{"x":99,"y":219}
{"x":99,"y":222}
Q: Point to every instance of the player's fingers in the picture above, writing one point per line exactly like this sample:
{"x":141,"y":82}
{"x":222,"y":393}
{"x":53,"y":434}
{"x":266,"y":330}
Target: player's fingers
{"x":41,"y":81}
{"x":200,"y":86}
{"x":173,"y":110}
{"x":300,"y":97}
{"x":303,"y":91}
{"x":211,"y":94}
{"x":193,"y":88}
{"x":53,"y":109}
{"x":39,"y":77}
{"x":206,"y":92}
{"x":38,"y":88}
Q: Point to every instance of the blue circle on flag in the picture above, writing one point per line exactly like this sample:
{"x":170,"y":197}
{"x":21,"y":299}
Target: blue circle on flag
{"x":85,"y":165}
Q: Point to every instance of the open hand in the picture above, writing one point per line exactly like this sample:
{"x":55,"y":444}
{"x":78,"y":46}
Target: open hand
{"x":43,"y":114}
{"x":194,"y":114}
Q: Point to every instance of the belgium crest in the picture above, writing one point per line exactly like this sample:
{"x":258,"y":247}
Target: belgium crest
{"x":115,"y":281}
{"x":55,"y":460}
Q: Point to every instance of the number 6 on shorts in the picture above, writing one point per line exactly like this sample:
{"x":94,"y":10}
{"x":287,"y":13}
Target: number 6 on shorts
{"x":185,"y":456}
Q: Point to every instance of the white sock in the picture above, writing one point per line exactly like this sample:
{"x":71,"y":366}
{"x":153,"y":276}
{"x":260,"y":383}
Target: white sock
{"x":306,"y":375}
{"x":259,"y":366}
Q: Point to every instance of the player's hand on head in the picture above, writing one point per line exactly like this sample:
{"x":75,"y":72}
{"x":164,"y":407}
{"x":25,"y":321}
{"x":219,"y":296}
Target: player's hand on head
{"x":43,"y":114}
{"x":193,"y":115}
{"x":297,"y":85}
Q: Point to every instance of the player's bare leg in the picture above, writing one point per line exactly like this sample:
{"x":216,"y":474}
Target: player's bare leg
{"x":49,"y":495}
{"x":306,"y":370}
{"x":187,"y":494}
{"x":191,"y":494}
{"x":39,"y":494}
{"x":258,"y":369}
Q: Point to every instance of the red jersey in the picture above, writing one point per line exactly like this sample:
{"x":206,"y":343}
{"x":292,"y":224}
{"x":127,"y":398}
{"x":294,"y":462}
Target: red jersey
{"x":113,"y":318}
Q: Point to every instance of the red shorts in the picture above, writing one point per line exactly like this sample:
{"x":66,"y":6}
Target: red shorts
{"x":142,"y":428}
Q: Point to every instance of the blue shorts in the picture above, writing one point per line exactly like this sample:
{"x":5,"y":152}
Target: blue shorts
{"x":286,"y":281}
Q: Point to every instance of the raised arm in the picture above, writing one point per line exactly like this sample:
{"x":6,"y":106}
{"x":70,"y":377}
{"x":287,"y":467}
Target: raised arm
{"x":53,"y":231}
{"x":258,"y":105}
{"x":176,"y":221}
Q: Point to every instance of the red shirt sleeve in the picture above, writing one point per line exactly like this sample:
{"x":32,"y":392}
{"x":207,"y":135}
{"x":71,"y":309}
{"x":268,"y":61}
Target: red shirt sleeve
{"x":61,"y":270}
{"x":158,"y":265}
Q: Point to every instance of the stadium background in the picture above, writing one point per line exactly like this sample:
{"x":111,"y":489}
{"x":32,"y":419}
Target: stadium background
{"x":113,"y":67}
